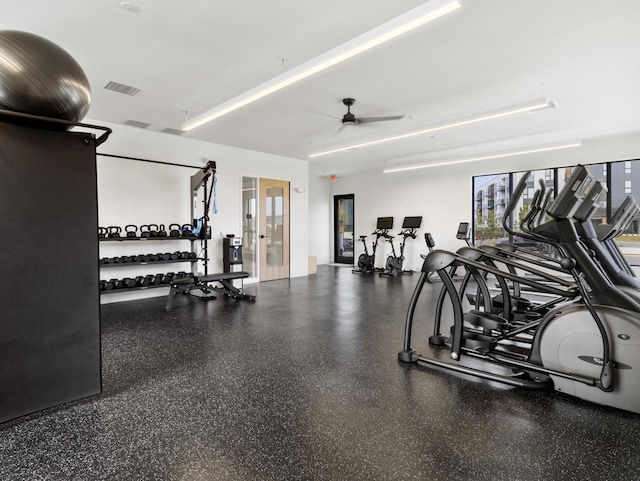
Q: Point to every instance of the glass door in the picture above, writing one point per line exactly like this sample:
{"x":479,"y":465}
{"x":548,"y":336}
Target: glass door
{"x":274,"y":229}
{"x":249,"y":226}
{"x":343,"y":208}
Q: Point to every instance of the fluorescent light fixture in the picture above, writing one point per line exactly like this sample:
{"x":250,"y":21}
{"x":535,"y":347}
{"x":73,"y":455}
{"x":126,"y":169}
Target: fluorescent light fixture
{"x":531,"y":106}
{"x":531,"y":150}
{"x":387,"y":31}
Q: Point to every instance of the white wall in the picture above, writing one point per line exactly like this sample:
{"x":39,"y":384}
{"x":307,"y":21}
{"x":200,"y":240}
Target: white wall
{"x":442,"y":195}
{"x":131,"y":192}
{"x":320,"y":211}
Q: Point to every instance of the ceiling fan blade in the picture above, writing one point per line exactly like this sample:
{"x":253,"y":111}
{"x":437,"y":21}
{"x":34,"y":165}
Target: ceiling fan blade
{"x":323,"y":114}
{"x":340,"y":129}
{"x":365,"y":120}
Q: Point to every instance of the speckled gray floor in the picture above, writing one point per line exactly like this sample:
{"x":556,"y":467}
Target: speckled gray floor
{"x":304,"y":384}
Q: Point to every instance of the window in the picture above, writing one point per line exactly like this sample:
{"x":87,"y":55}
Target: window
{"x":623,"y":180}
{"x":491,"y":194}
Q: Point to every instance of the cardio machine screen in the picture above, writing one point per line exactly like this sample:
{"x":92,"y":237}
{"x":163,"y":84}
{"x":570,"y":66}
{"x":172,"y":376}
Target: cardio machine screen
{"x":385,"y":223}
{"x":463,"y":229}
{"x":412,"y":222}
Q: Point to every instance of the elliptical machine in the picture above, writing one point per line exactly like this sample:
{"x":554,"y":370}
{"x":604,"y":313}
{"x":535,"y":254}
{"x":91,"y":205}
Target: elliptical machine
{"x":366,"y":261}
{"x":393,"y":266}
{"x":587,"y":347}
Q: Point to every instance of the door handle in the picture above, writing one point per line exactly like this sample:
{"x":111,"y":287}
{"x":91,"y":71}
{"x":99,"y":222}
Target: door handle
{"x":262,"y":236}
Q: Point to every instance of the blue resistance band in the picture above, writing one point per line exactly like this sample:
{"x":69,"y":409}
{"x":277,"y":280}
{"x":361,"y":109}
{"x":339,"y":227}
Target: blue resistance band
{"x":215,"y":201}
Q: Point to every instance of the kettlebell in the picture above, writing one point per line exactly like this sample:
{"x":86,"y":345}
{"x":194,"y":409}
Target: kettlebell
{"x":102,"y":232}
{"x":114,"y":232}
{"x":174,"y":230}
{"x":162,"y":231}
{"x":131,"y":230}
{"x":187,"y":230}
{"x":153,"y":230}
{"x":144,"y":231}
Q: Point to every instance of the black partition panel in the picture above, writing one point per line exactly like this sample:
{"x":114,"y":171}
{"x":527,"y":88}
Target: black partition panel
{"x":49,"y":304}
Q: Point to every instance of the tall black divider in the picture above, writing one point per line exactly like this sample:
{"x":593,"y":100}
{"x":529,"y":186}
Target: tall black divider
{"x":49,"y":281}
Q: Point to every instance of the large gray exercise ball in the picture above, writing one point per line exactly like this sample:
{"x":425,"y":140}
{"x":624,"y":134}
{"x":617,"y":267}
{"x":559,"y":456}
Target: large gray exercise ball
{"x":40,"y":78}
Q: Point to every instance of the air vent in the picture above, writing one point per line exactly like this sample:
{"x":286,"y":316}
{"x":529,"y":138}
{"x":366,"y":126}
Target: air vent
{"x":122,"y":88}
{"x":135,"y":123}
{"x":171,"y":131}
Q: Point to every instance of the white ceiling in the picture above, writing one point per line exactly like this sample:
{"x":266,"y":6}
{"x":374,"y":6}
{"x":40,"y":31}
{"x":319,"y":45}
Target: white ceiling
{"x":193,"y":55}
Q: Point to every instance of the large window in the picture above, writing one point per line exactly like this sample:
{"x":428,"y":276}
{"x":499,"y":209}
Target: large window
{"x":625,"y":181}
{"x":491,"y":194}
{"x":490,"y":199}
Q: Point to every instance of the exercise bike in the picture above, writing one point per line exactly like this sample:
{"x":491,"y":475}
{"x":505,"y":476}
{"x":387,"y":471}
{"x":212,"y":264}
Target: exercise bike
{"x":366,"y":261}
{"x":394,"y":263}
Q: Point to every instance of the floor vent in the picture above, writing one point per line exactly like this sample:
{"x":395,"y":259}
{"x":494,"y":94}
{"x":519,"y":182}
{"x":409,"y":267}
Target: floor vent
{"x":135,"y":123}
{"x":122,"y":88}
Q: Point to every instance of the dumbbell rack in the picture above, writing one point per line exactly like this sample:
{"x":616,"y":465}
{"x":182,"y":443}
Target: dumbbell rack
{"x":192,"y":261}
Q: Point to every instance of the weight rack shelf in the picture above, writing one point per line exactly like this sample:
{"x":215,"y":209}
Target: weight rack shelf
{"x":138,"y":288}
{"x":126,"y":264}
{"x":167,"y":238}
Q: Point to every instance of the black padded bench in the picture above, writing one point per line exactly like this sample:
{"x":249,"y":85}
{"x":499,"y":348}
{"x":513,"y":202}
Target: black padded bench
{"x":185,"y":285}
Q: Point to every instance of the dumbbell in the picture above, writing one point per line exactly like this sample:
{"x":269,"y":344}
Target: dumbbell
{"x":186,"y":255}
{"x":114,"y":231}
{"x":153,"y":230}
{"x":157,"y":279}
{"x":135,"y":258}
{"x":168,"y":277}
{"x":153,"y":257}
{"x":129,"y":282}
{"x":181,"y":274}
{"x":104,"y":260}
{"x":165,"y":257}
{"x":131,"y":230}
{"x":117,"y":283}
{"x":174,"y":230}
{"x":175,"y":256}
{"x":144,"y":257}
{"x":102,"y":232}
{"x":143,"y":281}
{"x":162,"y":231}
{"x":187,"y":230}
{"x":106,"y":285}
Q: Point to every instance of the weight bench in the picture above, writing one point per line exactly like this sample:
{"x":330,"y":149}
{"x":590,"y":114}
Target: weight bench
{"x":185,"y":285}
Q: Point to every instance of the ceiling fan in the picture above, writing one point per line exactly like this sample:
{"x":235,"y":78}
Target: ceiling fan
{"x":349,"y":118}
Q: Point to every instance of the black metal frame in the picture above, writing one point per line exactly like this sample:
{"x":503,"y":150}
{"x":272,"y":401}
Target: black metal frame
{"x":336,"y":229}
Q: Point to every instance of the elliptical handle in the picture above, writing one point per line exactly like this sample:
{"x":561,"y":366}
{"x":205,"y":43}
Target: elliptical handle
{"x":513,"y":201}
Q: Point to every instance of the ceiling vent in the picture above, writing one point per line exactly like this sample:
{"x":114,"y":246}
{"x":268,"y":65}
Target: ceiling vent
{"x":122,"y":88}
{"x":171,"y":131}
{"x":135,"y":123}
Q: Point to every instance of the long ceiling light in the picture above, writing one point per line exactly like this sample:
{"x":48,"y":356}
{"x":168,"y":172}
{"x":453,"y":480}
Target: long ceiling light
{"x":531,"y":106}
{"x":387,"y":31}
{"x":531,"y":150}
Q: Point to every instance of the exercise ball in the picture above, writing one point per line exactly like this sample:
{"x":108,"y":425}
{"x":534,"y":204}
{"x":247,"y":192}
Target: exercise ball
{"x":40,"y":78}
